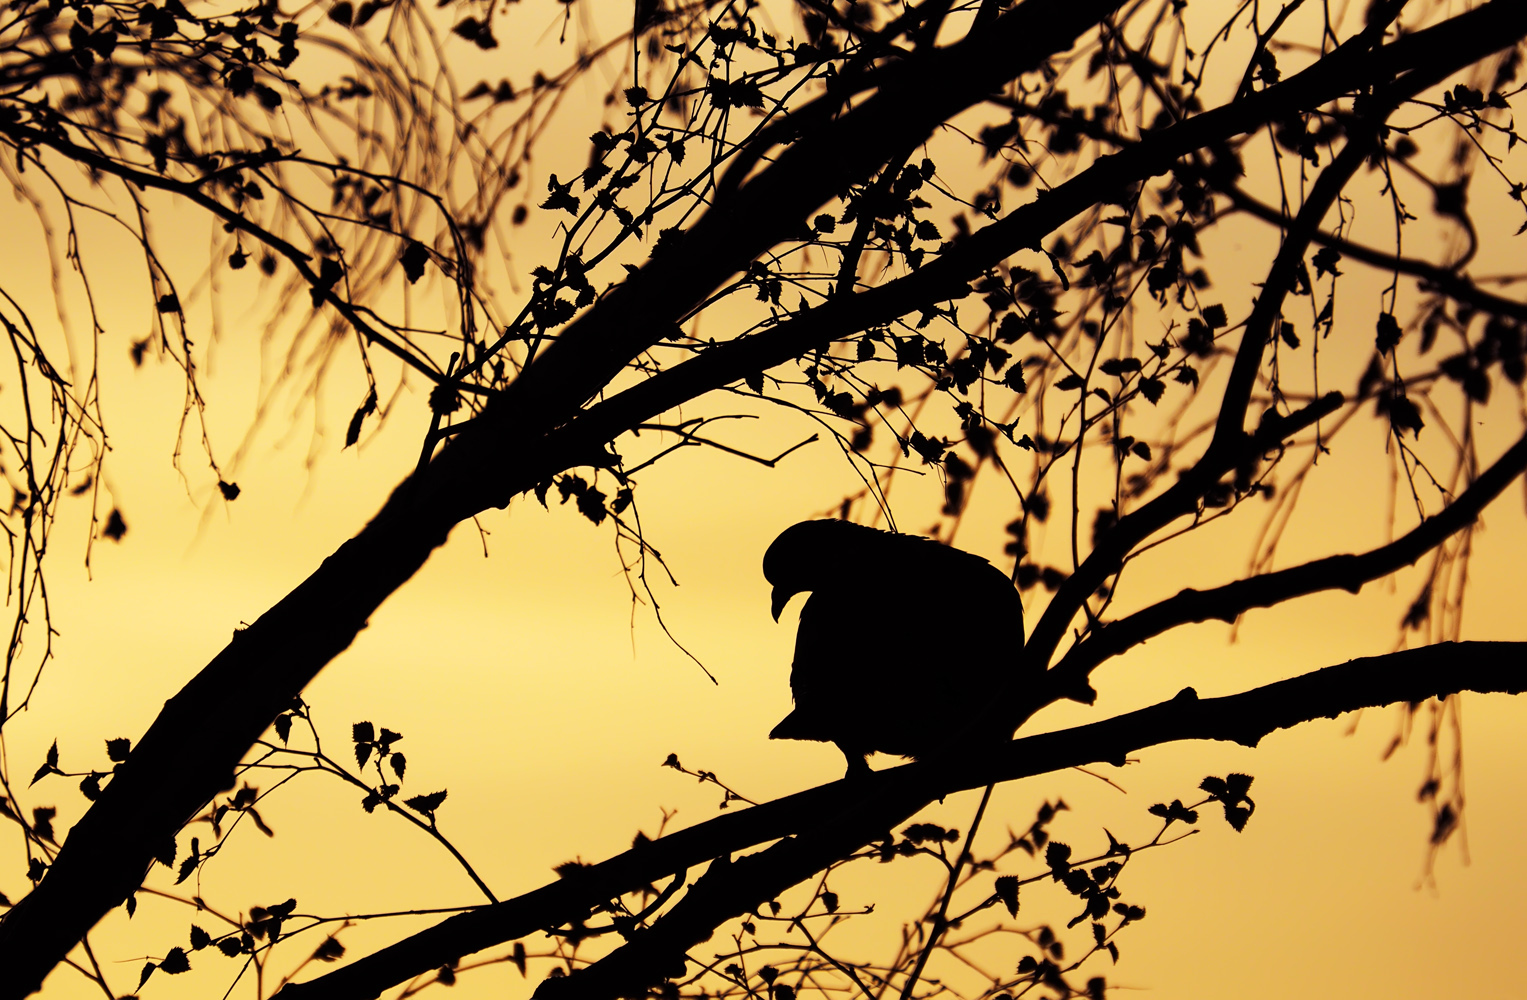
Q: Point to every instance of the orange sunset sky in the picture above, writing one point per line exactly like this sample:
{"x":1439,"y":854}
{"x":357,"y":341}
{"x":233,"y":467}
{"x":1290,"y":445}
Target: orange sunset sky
{"x":527,"y":684}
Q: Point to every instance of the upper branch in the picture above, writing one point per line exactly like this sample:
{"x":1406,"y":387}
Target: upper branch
{"x":1464,"y":38}
{"x":1430,"y":276}
{"x":1340,"y":572}
{"x":1229,"y":438}
{"x":830,"y":153}
{"x":1453,"y":47}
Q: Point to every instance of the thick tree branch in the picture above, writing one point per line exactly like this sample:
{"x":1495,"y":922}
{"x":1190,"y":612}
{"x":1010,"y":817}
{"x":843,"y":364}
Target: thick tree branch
{"x":1447,"y":50}
{"x":1347,"y":572}
{"x":190,"y":751}
{"x":1341,"y":72}
{"x":912,"y":98}
{"x":832,"y":821}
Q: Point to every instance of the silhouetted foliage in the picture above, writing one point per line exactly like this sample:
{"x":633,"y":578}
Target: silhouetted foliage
{"x":981,"y":241}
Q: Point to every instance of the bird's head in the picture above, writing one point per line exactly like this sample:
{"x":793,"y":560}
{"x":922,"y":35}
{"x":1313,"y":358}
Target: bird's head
{"x":807,"y":554}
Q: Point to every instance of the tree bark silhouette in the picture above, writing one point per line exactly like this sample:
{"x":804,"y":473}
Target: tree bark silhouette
{"x":829,"y":822}
{"x":540,"y":426}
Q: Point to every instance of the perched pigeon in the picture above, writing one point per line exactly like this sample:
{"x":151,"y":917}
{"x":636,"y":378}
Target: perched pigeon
{"x":905,"y":646}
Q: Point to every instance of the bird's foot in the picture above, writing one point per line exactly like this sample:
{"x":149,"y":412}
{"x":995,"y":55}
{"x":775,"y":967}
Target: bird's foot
{"x":858,"y":766}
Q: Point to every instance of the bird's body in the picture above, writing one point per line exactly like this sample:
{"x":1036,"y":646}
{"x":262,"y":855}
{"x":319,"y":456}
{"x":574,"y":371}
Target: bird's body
{"x":905,"y":646}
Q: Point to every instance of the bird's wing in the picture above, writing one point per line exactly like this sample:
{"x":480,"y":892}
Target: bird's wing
{"x":911,"y":647}
{"x":863,"y":672}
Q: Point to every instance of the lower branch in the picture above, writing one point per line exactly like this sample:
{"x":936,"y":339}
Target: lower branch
{"x":837,"y":819}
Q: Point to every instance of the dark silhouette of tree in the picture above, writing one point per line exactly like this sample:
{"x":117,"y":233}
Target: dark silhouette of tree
{"x":896,"y":671}
{"x":972,"y":240}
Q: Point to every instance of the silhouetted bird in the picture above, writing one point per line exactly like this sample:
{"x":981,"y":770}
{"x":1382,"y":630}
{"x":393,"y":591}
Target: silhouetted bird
{"x":905,"y":646}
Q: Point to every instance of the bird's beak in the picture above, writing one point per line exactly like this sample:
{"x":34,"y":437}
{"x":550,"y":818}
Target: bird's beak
{"x":778,"y":600}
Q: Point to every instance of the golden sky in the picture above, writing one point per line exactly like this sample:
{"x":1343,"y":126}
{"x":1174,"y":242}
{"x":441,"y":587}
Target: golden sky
{"x":526,"y":684}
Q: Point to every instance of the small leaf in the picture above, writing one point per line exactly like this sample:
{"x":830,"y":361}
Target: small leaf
{"x":1119,"y":366}
{"x":115,"y":526}
{"x":591,"y":505}
{"x":426,"y":804}
{"x":330,"y":950}
{"x":42,"y":822}
{"x":1389,"y":333}
{"x":367,"y":407}
{"x":1007,"y":891}
{"x":175,"y":962}
{"x":187,"y":867}
{"x":268,"y":98}
{"x":414,"y":257}
{"x":1405,"y":415}
{"x":1325,"y":261}
{"x":1287,"y":334}
{"x":118,"y":749}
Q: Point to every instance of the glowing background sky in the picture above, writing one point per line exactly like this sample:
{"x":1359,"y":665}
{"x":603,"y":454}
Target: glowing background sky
{"x":524,"y":684}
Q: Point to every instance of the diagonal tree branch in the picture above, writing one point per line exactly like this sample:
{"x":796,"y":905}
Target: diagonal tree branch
{"x":1431,"y":276}
{"x":1347,"y":572}
{"x":1228,"y":440}
{"x":833,"y":151}
{"x":832,"y":821}
{"x":1466,"y":38}
{"x":1449,"y":51}
{"x":190,"y":751}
